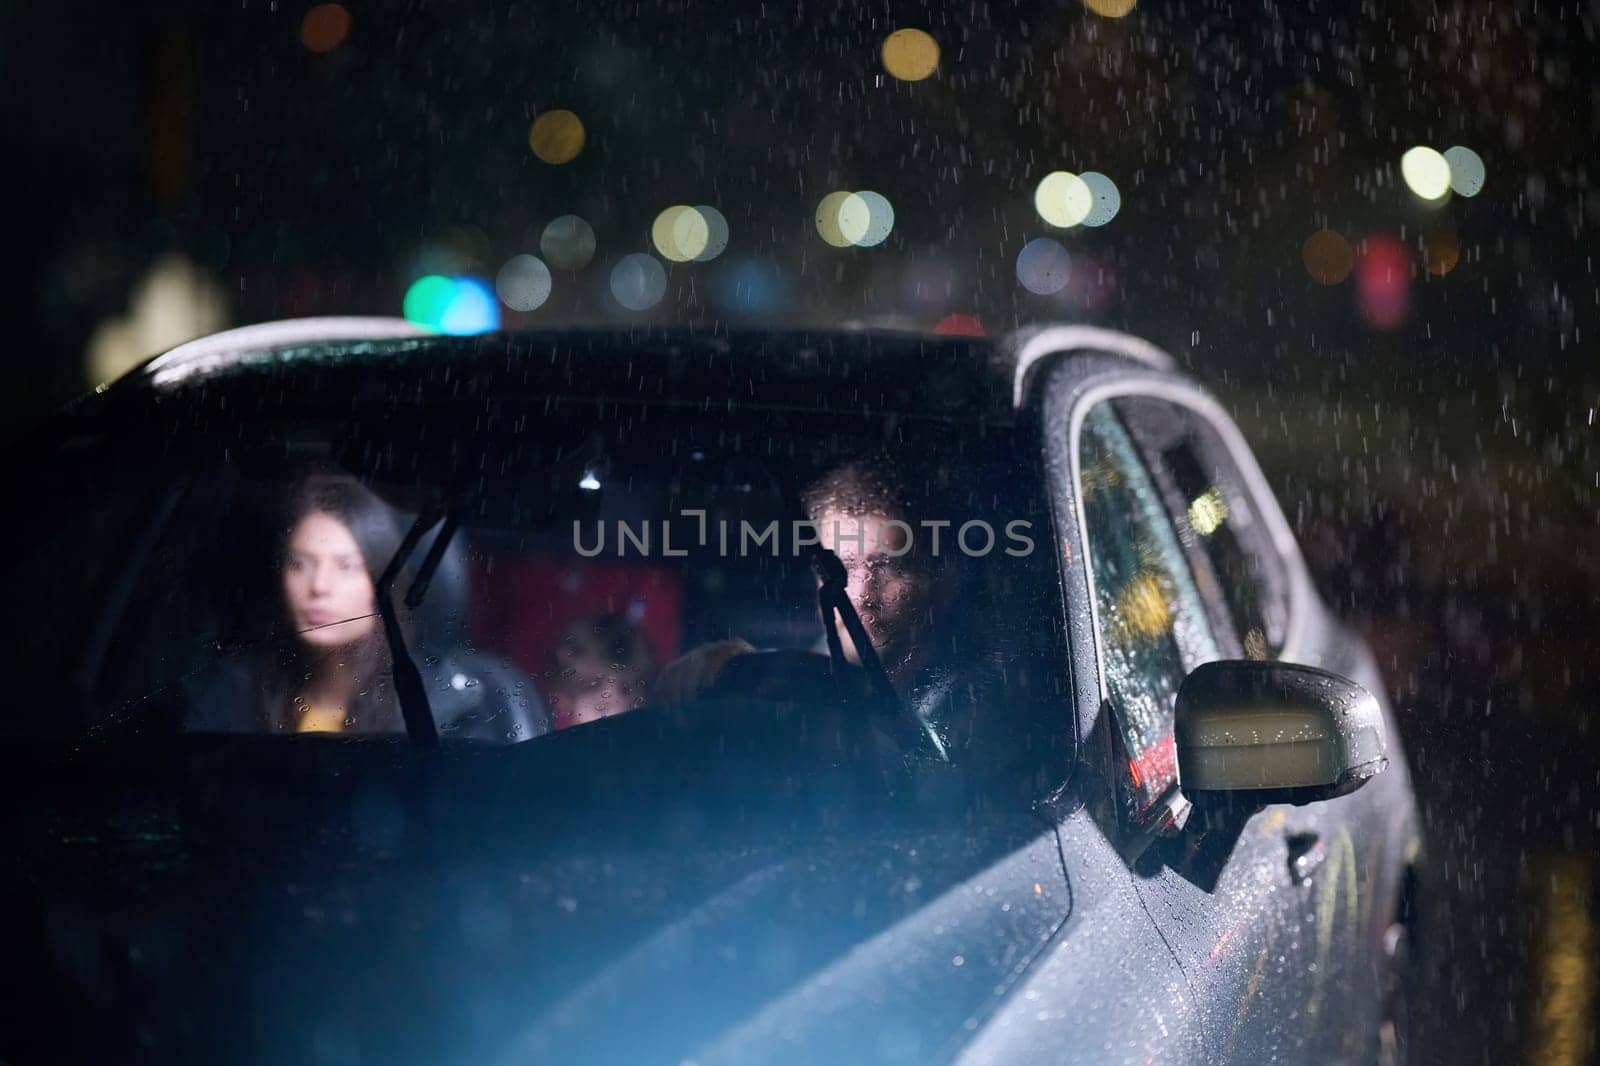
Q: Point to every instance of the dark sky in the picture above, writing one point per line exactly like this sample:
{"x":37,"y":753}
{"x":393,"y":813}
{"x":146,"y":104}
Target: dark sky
{"x":308,"y":183}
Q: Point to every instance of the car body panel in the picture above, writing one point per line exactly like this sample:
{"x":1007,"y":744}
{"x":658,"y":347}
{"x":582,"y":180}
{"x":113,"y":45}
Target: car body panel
{"x":1255,"y":944}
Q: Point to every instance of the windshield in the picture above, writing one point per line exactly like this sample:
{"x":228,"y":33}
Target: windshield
{"x":603,"y":558}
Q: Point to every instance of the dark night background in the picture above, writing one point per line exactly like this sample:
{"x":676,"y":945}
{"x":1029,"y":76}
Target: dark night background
{"x":1428,"y":418}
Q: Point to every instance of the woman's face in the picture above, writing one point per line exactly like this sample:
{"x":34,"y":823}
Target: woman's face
{"x":326,"y":585}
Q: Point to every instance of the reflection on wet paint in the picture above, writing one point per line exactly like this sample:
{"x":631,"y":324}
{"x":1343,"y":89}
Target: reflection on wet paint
{"x":1339,"y":874}
{"x":1565,"y":1019}
{"x":1251,"y":988}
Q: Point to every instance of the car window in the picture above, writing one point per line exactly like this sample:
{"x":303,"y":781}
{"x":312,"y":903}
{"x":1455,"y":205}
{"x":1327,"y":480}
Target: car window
{"x":1236,"y":564}
{"x":596,"y":544}
{"x":1152,"y":624}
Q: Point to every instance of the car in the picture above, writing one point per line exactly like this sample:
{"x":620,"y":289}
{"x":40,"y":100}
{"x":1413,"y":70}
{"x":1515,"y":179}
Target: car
{"x":1102,"y":780}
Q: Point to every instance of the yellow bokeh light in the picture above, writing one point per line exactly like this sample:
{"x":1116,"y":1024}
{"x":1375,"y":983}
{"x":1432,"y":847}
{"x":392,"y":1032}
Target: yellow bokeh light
{"x":1111,"y":9}
{"x":556,"y":136}
{"x":1426,"y":172}
{"x":860,"y":219}
{"x":910,"y":55}
{"x":828,"y":212}
{"x":1144,"y":611}
{"x":681,"y":233}
{"x":1063,"y":199}
{"x":1208,"y":511}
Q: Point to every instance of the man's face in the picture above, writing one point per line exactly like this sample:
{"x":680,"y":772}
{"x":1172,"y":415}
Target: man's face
{"x":891,"y":592}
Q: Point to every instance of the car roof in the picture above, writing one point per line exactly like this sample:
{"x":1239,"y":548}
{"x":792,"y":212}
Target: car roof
{"x":326,"y":359}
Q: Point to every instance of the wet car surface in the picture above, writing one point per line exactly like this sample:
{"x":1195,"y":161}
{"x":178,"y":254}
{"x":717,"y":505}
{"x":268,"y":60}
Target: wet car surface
{"x":770,"y":875}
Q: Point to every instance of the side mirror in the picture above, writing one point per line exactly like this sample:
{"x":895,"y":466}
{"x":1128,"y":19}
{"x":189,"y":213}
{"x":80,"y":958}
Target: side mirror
{"x":1270,"y":732}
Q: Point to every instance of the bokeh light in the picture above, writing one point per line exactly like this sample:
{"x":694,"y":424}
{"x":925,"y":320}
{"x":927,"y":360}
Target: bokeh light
{"x":1111,"y":9}
{"x":471,"y":310}
{"x":1092,"y":286}
{"x":861,"y":219}
{"x":556,"y":136}
{"x":1441,"y":250}
{"x":716,"y":233}
{"x":855,"y":215}
{"x":1107,"y":198}
{"x":879,"y":218}
{"x":828,"y":218}
{"x":1426,"y":172}
{"x":1467,"y":172}
{"x":460,"y":306}
{"x":1383,"y":281}
{"x":959,"y":325}
{"x":1328,"y":257}
{"x":638,"y":281}
{"x":1063,"y":199}
{"x":523,"y":283}
{"x":1043,"y":266}
{"x":568,"y":243}
{"x":176,"y":301}
{"x":325,"y":27}
{"x":910,"y":55}
{"x":681,"y":233}
{"x":427,"y":298}
{"x":750,"y":286}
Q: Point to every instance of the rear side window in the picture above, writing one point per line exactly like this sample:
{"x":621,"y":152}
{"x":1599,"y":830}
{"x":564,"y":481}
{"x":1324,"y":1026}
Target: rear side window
{"x":1152,"y":623}
{"x":1235,"y":562}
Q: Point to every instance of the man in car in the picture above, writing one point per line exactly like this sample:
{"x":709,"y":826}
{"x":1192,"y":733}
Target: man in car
{"x":904,"y":590}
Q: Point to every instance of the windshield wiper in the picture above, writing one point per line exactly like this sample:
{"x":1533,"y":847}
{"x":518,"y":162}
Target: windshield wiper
{"x":408,"y":686}
{"x":834,"y":599}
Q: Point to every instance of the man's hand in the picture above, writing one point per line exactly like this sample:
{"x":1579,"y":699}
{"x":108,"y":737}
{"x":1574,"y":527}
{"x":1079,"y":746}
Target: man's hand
{"x":690,"y":674}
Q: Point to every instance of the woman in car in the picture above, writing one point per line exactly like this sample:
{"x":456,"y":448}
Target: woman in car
{"x":333,"y":674}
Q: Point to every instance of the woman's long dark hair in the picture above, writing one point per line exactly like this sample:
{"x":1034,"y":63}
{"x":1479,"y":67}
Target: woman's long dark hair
{"x":285,"y":672}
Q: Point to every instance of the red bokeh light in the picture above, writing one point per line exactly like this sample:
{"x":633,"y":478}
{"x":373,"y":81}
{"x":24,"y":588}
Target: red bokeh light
{"x":959,"y":325}
{"x":1383,"y":280}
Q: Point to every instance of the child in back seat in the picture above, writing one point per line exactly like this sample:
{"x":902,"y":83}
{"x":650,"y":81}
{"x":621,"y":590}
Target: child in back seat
{"x":600,"y":665}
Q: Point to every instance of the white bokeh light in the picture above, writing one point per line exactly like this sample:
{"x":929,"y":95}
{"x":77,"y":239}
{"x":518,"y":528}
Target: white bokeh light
{"x":880,"y":219}
{"x":1467,"y":172}
{"x":1106,"y":199}
{"x":1063,"y":199}
{"x":1043,"y":266}
{"x":523,"y":283}
{"x":638,"y":281}
{"x":716,"y":233}
{"x":1426,"y":172}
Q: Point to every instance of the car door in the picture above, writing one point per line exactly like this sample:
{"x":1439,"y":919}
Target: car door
{"x":1295,"y":875}
{"x":1225,"y":903}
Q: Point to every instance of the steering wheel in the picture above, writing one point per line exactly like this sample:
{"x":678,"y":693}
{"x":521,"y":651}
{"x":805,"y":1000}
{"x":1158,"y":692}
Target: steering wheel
{"x":801,"y":676}
{"x":807,"y":677}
